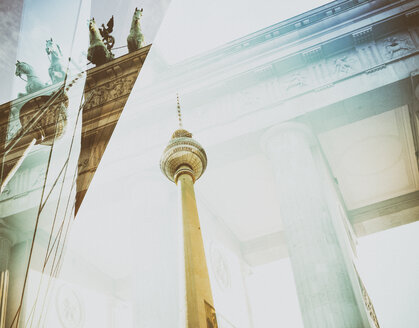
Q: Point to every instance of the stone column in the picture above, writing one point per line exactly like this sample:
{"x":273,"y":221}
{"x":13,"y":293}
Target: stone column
{"x":5,"y":248}
{"x":324,"y":288}
{"x":17,"y":268}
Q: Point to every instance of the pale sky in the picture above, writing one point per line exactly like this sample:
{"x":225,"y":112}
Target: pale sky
{"x":192,"y":27}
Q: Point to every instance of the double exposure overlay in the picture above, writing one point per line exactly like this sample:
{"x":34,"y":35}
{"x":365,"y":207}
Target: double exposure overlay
{"x":209,"y":164}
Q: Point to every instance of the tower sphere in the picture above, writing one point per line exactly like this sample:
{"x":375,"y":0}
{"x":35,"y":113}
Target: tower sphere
{"x":183,"y":155}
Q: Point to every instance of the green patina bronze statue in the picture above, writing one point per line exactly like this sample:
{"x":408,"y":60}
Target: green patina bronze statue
{"x":135,"y":38}
{"x":98,"y":53}
{"x":33,"y":83}
{"x":55,"y":70}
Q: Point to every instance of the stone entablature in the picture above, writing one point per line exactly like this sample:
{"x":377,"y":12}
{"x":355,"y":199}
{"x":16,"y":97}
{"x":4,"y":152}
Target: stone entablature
{"x":272,"y":87}
{"x":106,"y":91}
{"x":240,"y":93}
{"x":316,"y":23}
{"x":370,"y":21}
{"x":349,"y":44}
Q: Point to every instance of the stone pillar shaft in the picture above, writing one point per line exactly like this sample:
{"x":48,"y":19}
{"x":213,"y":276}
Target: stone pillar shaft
{"x":17,"y":267}
{"x":5,"y":249}
{"x":323,"y":285}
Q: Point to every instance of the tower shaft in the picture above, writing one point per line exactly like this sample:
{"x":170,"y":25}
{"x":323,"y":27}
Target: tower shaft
{"x":199,"y":302}
{"x":183,"y":162}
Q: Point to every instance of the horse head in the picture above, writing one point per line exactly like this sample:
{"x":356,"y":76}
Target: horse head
{"x":53,"y":49}
{"x":17,"y":71}
{"x":32,"y":80}
{"x":49,"y":46}
{"x":136,"y":17}
{"x":23,"y":68}
{"x":92,"y":25}
{"x":94,"y":31}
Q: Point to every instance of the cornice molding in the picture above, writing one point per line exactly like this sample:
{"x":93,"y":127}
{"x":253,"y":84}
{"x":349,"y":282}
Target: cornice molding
{"x":363,"y":28}
{"x":331,"y":16}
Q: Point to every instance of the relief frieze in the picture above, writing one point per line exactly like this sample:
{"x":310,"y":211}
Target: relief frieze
{"x":220,"y":267}
{"x":396,"y":46}
{"x":251,"y":98}
{"x":266,"y":87}
{"x":111,"y":91}
{"x":343,"y":66}
{"x":295,"y":82}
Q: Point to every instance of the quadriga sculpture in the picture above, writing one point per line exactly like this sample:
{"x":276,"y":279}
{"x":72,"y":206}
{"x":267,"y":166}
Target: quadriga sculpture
{"x":33,"y":83}
{"x":55,"y":70}
{"x":97,"y":53}
{"x":135,"y":38}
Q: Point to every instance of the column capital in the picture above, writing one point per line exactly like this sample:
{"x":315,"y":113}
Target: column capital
{"x":284,"y":133}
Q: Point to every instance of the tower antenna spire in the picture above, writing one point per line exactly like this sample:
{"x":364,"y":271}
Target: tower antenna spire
{"x":179,"y":114}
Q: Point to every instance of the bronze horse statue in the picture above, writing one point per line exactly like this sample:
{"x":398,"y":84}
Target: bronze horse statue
{"x":55,"y":70}
{"x":97,"y":53}
{"x":33,"y":83}
{"x":135,"y":39}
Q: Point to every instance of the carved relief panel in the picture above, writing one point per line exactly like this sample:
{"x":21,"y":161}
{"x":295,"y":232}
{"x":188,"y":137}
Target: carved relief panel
{"x":111,"y":90}
{"x":220,"y":267}
{"x":250,"y":98}
{"x":396,"y":45}
{"x":296,"y":82}
{"x":70,"y":308}
{"x":343,"y":65}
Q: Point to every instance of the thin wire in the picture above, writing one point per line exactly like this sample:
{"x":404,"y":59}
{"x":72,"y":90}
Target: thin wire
{"x":31,"y":315}
{"x":29,"y":126}
{"x":53,"y":185}
{"x":48,"y":252}
{"x":35,"y":119}
{"x":17,"y":316}
{"x":56,"y":264}
{"x":120,"y":47}
{"x":40,"y":208}
{"x":60,"y":230}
